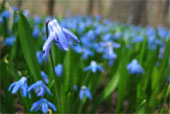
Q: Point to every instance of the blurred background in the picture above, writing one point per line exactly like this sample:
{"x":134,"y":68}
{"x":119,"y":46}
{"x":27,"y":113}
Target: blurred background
{"x":143,"y":12}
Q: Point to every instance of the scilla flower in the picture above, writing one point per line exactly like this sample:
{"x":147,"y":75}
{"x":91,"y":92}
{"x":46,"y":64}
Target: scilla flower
{"x":19,"y":85}
{"x":94,"y":67}
{"x":45,"y":77}
{"x":134,"y":67}
{"x":40,"y":57}
{"x":43,"y":105}
{"x":40,"y":88}
{"x":59,"y":35}
{"x":36,"y":32}
{"x":59,"y":69}
{"x":6,"y":14}
{"x":85,"y":92}
{"x":9,"y":41}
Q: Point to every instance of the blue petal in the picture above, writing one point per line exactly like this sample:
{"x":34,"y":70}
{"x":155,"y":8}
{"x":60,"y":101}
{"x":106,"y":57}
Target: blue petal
{"x":9,"y":89}
{"x":60,"y":37}
{"x":70,"y":34}
{"x":88,"y":93}
{"x":45,"y":108}
{"x":81,"y":94}
{"x":52,"y":106}
{"x":47,"y":44}
{"x":16,"y":87}
{"x":87,"y":68}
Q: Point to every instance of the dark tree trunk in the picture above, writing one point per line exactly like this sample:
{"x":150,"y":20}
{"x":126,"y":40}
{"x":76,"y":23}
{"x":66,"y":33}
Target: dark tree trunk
{"x":51,"y":4}
{"x":99,"y":5}
{"x":139,"y":15}
{"x":19,"y":4}
{"x":166,"y":8}
{"x":90,"y":7}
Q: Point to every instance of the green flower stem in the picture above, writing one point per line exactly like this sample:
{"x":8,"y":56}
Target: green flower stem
{"x":52,"y":63}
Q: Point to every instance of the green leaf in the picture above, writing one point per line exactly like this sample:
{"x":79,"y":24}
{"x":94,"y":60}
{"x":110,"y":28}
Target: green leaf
{"x":28,"y":46}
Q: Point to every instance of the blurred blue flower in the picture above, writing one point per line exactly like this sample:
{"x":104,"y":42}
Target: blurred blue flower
{"x":1,"y":19}
{"x":40,"y":88}
{"x":59,"y":35}
{"x":19,"y":85}
{"x":16,"y":18}
{"x":85,"y":92}
{"x":6,"y":14}
{"x":59,"y":70}
{"x":40,"y":57}
{"x":161,"y":52}
{"x":94,"y":67}
{"x":134,"y":67}
{"x":15,"y":8}
{"x":109,"y":51}
{"x":26,"y":12}
{"x":75,"y":87}
{"x":37,"y":19}
{"x":43,"y":105}
{"x":9,"y":40}
{"x":45,"y":77}
{"x":168,"y":79}
{"x":36,"y":32}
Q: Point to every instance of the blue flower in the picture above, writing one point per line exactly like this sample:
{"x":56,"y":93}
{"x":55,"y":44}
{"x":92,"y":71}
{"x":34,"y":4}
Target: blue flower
{"x":26,"y":12}
{"x":36,"y":32}
{"x":94,"y":67}
{"x":134,"y":67}
{"x":40,"y":88}
{"x":37,"y":19}
{"x":43,"y":105}
{"x":59,"y":69}
{"x":44,"y":76}
{"x":19,"y":85}
{"x":40,"y":57}
{"x":75,"y":87}
{"x":6,"y":14}
{"x":15,"y":8}
{"x":85,"y":92}
{"x":9,"y":41}
{"x":109,"y":52}
{"x":59,"y":35}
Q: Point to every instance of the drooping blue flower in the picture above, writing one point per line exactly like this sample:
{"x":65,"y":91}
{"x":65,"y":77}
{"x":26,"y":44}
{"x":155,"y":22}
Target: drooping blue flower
{"x":43,"y":105}
{"x":85,"y":92}
{"x":6,"y":14}
{"x":134,"y":67}
{"x":109,"y":51}
{"x":45,"y":77}
{"x":94,"y":67}
{"x":9,"y":41}
{"x":59,"y":70}
{"x":40,"y":57}
{"x":59,"y":35}
{"x":19,"y":85}
{"x":40,"y":88}
{"x":36,"y":32}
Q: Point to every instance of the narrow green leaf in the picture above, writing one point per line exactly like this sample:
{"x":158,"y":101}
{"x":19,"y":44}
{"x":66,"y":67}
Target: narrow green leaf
{"x":28,"y":46}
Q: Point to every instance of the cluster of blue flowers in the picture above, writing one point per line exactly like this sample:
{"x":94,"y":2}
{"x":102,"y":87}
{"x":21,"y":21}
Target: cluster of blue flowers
{"x":98,"y":36}
{"x":39,"y":88}
{"x":60,"y":36}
